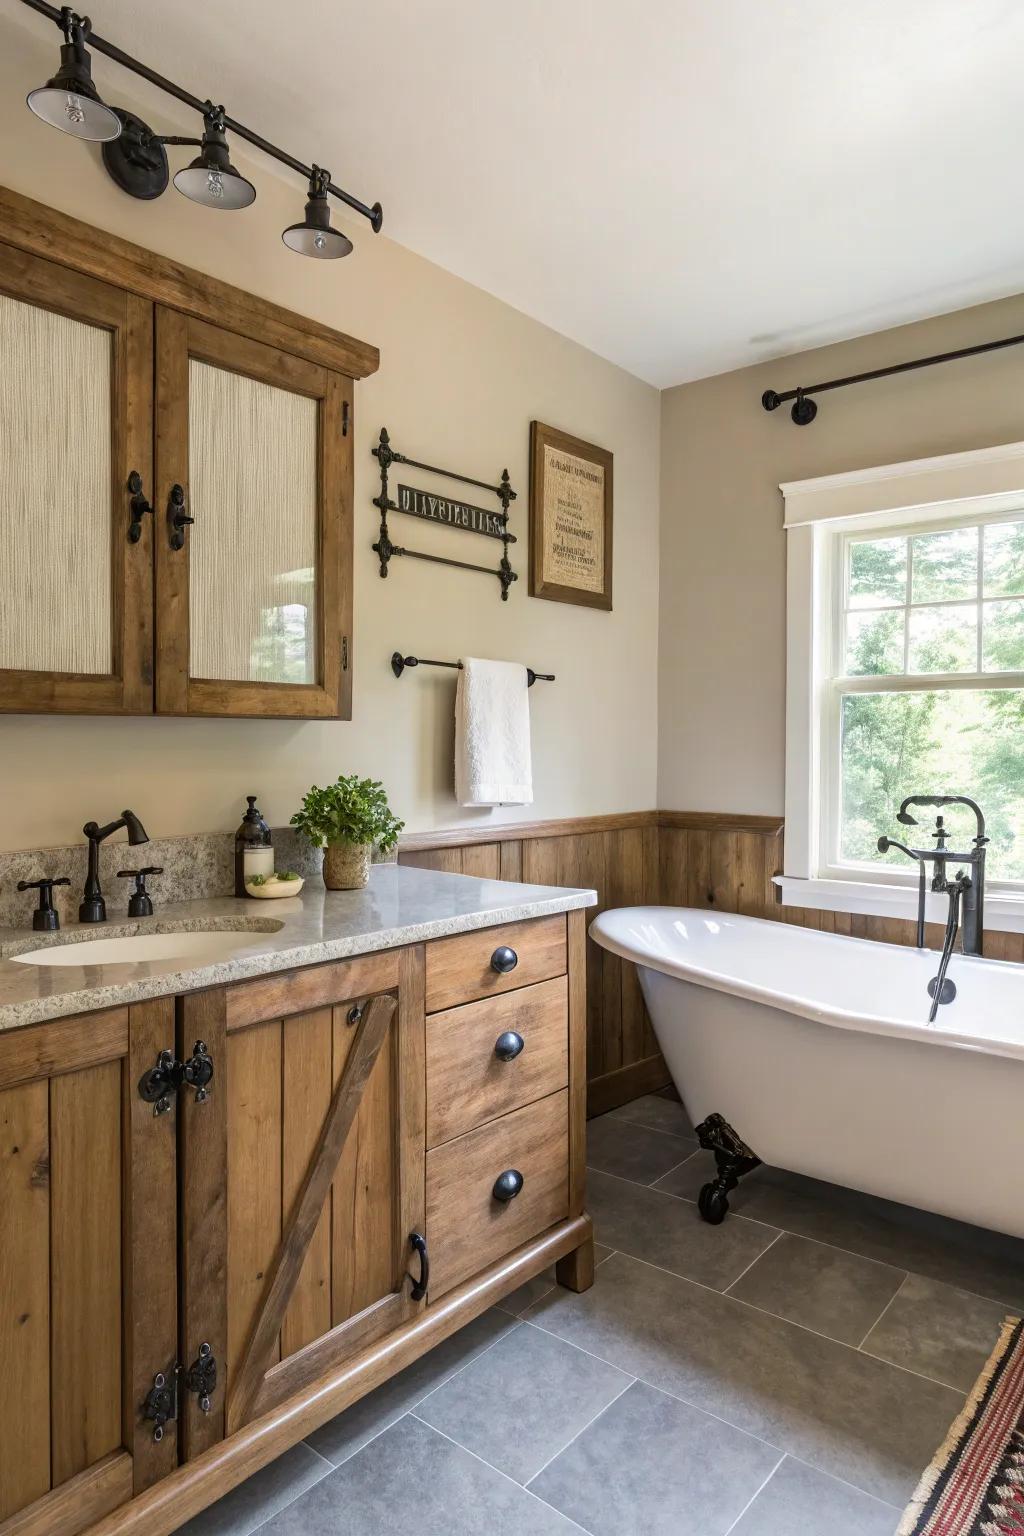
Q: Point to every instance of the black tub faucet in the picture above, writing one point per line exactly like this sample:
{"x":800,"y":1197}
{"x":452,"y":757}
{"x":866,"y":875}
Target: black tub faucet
{"x":93,"y":909}
{"x":966,"y":892}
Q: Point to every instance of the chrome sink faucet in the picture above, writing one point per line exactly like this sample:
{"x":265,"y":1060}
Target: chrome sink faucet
{"x":966,"y":892}
{"x":93,"y":909}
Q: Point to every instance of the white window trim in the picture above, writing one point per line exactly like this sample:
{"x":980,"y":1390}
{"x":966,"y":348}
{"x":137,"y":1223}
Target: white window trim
{"x":955,"y":486}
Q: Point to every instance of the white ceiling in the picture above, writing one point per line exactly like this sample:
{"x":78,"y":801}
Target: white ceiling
{"x":684,"y":186}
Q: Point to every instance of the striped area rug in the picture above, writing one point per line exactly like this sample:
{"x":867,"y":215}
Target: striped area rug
{"x":975,"y":1484}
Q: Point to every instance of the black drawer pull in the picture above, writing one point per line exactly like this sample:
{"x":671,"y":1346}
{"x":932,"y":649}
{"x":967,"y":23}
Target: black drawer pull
{"x":504,"y":960}
{"x":507,"y":1185}
{"x":508,"y":1045}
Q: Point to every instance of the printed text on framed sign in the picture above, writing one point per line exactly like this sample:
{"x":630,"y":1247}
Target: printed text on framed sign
{"x":570,"y":519}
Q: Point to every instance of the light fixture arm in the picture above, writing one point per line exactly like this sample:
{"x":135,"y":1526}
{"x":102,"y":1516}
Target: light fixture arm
{"x":76,"y":29}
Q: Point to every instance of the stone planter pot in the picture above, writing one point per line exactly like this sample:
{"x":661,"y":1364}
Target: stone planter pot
{"x":347,"y":866}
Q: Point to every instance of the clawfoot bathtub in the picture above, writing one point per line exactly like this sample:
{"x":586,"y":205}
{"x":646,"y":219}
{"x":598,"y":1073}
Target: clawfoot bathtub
{"x":817,"y":1052}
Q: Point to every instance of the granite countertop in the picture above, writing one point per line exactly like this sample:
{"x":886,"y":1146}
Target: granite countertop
{"x":401,"y":905}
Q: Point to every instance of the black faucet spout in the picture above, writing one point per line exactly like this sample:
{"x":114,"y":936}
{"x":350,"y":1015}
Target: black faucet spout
{"x":93,"y":908}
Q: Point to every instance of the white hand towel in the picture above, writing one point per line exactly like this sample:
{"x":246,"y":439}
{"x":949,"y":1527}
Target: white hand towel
{"x":492,"y":734}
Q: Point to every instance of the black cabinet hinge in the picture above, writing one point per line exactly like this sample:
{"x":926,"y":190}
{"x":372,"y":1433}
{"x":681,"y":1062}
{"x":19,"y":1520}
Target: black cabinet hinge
{"x":344,"y":653}
{"x":169,"y":1076}
{"x":344,"y":418}
{"x":161,"y":1404}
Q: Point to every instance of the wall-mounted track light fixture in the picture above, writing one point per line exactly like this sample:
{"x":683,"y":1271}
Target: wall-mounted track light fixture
{"x":136,"y":158}
{"x":314,"y":236}
{"x":69,"y":101}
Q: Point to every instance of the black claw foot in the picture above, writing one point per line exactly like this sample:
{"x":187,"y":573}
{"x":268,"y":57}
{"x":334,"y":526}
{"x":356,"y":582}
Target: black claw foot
{"x":733,"y":1159}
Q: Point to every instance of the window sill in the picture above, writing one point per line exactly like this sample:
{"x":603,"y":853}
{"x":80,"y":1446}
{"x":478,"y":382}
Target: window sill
{"x":1003,"y":913}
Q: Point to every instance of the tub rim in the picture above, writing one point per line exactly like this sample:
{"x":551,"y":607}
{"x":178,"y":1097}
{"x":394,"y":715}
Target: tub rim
{"x":939,"y":1033}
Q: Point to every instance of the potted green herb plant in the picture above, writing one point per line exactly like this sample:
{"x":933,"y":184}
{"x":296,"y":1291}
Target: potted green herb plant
{"x":347,"y":820}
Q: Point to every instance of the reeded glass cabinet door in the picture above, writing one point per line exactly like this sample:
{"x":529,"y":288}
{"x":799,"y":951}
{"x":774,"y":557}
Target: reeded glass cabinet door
{"x":75,"y":425}
{"x":253,"y":529}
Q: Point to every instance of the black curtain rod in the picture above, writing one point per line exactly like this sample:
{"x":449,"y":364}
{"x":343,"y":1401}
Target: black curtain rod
{"x":112,"y":51}
{"x":400,"y":662}
{"x":805,"y":409}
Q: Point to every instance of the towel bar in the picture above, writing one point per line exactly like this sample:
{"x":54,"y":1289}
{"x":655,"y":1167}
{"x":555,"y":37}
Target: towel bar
{"x":400,"y":662}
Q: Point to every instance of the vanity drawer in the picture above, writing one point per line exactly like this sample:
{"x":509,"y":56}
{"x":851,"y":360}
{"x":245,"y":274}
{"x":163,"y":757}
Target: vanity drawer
{"x":472,"y":965}
{"x":468,"y":1227}
{"x":472,"y":1075}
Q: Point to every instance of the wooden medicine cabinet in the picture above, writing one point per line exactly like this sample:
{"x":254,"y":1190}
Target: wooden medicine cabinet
{"x":176,"y":534}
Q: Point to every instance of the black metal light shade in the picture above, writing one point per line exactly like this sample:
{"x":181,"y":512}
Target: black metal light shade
{"x":314,"y":236}
{"x":69,"y":101}
{"x":211,"y":179}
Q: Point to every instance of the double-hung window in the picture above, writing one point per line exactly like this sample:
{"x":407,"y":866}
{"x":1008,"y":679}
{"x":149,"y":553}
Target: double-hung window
{"x":905,"y":676}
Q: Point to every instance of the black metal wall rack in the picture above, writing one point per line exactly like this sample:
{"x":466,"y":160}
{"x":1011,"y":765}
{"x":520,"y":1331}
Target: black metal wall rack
{"x":385,"y":549}
{"x":400,"y":662}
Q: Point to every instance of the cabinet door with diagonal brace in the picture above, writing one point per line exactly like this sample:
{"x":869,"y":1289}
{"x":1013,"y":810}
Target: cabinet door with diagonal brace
{"x":302,"y":1189}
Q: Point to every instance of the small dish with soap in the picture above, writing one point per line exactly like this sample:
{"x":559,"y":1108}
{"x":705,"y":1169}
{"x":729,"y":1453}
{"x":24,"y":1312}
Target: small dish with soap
{"x":269,"y":887}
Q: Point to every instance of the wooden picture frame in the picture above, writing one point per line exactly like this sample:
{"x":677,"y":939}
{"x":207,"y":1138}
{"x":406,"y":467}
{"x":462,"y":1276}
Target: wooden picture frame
{"x":571,"y":501}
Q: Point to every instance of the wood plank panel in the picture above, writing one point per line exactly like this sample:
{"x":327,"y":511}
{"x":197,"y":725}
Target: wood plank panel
{"x":203,"y":1168}
{"x":447,"y":860}
{"x":308,"y":1045}
{"x":364,"y":1190}
{"x":85,"y":1297}
{"x":482,"y":860}
{"x":62,"y":1045}
{"x":254,"y":1177}
{"x":149,"y":1242}
{"x":24,"y":1296}
{"x":510,"y":860}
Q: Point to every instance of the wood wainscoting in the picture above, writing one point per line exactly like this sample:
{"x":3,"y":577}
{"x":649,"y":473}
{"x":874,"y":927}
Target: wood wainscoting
{"x":631,"y":859}
{"x":680,"y":858}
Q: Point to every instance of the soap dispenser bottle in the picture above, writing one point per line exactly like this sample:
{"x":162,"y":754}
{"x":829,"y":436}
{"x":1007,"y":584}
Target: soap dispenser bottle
{"x":254,"y":848}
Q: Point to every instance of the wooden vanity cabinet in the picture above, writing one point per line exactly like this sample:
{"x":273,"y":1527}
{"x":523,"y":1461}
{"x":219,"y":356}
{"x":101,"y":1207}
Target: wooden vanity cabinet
{"x":192,"y":1280}
{"x":177,"y":535}
{"x":88,"y":1267}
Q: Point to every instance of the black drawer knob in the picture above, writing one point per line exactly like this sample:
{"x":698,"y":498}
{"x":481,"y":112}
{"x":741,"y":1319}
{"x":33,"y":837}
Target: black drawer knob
{"x":508,"y":1045}
{"x":504,"y":960}
{"x":507,"y":1185}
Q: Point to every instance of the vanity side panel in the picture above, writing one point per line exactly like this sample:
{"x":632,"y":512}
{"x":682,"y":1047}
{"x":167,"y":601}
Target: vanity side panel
{"x":24,"y":1295}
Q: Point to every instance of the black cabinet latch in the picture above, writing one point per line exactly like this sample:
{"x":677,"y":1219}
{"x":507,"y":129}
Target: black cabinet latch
{"x":169,"y":1076}
{"x":160,"y":1406}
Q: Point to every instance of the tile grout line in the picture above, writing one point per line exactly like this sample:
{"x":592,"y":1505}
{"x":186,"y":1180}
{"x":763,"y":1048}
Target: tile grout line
{"x":667,"y":1391}
{"x":682,"y":1200}
{"x":756,"y":1495}
{"x":802,"y":1460}
{"x":777,"y":1238}
{"x":852,"y":1253}
{"x":738,"y":1301}
{"x":412,"y":1414}
{"x":593,"y":1420}
{"x":881,"y":1314}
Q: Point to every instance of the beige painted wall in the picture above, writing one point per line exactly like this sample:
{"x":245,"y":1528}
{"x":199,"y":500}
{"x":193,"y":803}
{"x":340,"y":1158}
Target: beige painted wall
{"x":461,"y":377}
{"x":723,"y":574}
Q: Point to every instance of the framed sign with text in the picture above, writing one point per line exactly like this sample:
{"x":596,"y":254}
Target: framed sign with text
{"x":570,"y":519}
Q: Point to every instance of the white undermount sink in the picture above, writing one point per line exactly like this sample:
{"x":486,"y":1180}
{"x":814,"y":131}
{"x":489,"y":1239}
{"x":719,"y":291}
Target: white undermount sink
{"x":203,"y":948}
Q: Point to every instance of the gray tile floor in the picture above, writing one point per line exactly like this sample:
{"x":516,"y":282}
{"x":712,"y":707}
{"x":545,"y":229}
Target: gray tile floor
{"x":788,"y":1373}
